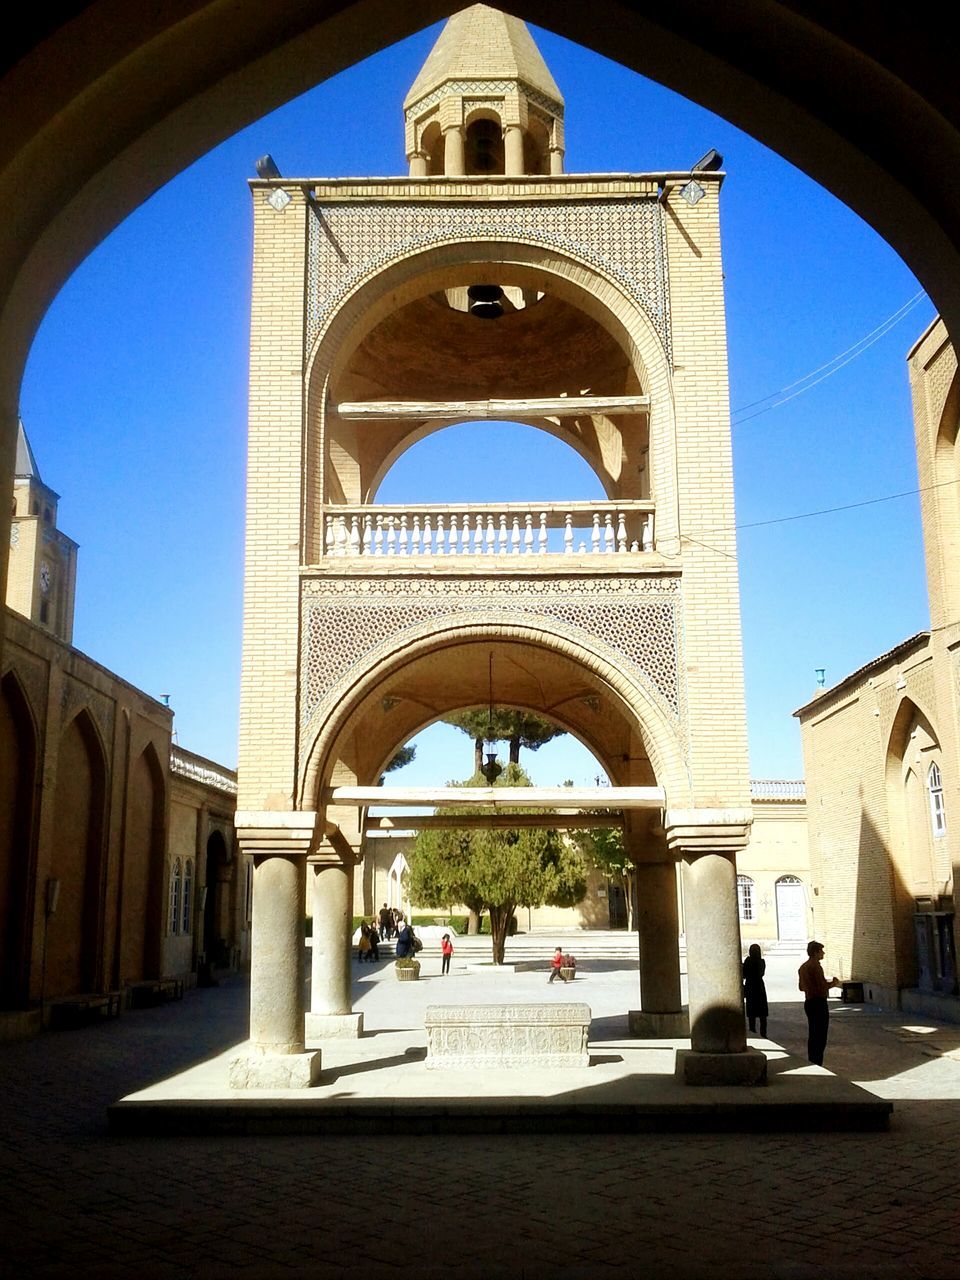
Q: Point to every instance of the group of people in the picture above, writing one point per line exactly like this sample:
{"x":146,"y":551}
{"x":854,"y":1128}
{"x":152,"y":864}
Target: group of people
{"x":368,"y":948}
{"x":388,"y":922}
{"x":812,"y":982}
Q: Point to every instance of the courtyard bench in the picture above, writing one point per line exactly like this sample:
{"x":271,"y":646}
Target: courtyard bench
{"x":507,"y":1035}
{"x":154,"y":991}
{"x":78,"y":1010}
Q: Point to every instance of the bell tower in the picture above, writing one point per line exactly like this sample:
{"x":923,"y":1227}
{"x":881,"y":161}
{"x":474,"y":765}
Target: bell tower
{"x":42,"y":575}
{"x":484,"y":102}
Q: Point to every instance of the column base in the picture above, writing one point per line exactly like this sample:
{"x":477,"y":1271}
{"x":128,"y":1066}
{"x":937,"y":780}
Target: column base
{"x":658,"y":1026}
{"x":745,"y":1068}
{"x":275,"y":1071}
{"x":333,"y":1026}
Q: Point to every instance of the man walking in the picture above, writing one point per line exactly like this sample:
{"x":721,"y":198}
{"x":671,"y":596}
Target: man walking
{"x":816,"y":988}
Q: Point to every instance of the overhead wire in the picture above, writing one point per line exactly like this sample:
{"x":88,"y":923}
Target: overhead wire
{"x":827,"y":370}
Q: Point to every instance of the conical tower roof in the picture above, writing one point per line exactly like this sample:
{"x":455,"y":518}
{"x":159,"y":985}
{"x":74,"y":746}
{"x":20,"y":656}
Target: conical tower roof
{"x":481,"y":43}
{"x":26,"y":463}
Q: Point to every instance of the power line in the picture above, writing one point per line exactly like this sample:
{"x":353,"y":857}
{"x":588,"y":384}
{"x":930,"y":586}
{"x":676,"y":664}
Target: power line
{"x":811,"y":380}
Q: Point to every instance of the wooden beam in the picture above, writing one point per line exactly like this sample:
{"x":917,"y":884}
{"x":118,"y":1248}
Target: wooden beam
{"x":498,"y":798}
{"x":485,"y":410}
{"x":565,"y":821}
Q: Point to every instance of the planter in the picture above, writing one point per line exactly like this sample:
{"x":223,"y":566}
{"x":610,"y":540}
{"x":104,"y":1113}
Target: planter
{"x":568,"y":975}
{"x":409,"y":972}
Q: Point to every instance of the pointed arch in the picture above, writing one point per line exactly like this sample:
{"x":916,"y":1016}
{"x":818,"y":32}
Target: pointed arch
{"x":143,"y":868}
{"x":75,"y":932}
{"x":19,"y":753}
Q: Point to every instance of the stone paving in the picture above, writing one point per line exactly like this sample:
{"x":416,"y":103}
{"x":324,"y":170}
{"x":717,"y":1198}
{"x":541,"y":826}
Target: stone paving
{"x":79,"y":1201}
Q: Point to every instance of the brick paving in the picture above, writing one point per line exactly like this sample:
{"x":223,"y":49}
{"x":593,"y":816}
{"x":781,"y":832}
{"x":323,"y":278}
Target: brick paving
{"x":80,"y":1201}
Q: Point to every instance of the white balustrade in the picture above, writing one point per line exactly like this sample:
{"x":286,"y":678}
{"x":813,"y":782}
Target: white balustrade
{"x":502,"y":531}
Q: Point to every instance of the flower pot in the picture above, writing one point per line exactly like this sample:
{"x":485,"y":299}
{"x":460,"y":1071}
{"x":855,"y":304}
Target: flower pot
{"x":409,"y":973}
{"x":568,"y":975}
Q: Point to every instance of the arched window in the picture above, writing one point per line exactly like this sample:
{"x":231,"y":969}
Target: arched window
{"x":745,"y":897}
{"x":187,"y":896}
{"x":176,"y":881}
{"x":938,"y":817}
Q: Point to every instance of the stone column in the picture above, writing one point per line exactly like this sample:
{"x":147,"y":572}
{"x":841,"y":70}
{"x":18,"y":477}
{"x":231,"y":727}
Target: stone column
{"x":418,"y":164}
{"x":513,"y":150}
{"x":658,"y":927}
{"x":556,"y":160}
{"x":707,"y":841}
{"x":276,"y":1057}
{"x":454,"y":162}
{"x":331,"y":998}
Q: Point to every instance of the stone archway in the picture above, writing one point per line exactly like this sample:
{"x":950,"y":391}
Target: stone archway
{"x":18,"y":751}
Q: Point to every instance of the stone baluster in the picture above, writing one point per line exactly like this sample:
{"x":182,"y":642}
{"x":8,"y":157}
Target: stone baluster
{"x":391,"y":536}
{"x":609,"y":541}
{"x":515,"y":537}
{"x":621,"y":532}
{"x":404,"y":541}
{"x":341,"y":536}
{"x":415,"y":537}
{"x":328,"y":535}
{"x":378,"y":537}
{"x":354,"y":535}
{"x":502,"y":537}
{"x":465,"y":534}
{"x":453,"y":535}
{"x":367,"y":535}
{"x":528,"y":535}
{"x":595,"y":534}
{"x":491,"y":536}
{"x":568,"y":534}
{"x":478,"y":535}
{"x":427,"y":536}
{"x":648,"y":532}
{"x":542,"y":535}
{"x":440,"y":533}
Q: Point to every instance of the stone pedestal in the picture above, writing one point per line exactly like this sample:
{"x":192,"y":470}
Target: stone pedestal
{"x":332,"y":1026}
{"x":274,"y":1071}
{"x":659,"y":1026}
{"x":746,"y":1068}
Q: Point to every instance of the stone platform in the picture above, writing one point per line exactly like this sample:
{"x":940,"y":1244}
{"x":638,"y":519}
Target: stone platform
{"x":525,"y":1037}
{"x":381,"y":1084}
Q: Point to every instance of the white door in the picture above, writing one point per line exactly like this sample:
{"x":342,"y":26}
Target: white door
{"x":791,"y":909}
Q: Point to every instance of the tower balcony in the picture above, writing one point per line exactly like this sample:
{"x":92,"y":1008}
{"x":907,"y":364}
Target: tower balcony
{"x":505,"y":531}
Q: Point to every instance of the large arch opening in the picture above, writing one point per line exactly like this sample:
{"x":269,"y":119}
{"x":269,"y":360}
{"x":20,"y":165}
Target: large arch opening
{"x":18,"y":751}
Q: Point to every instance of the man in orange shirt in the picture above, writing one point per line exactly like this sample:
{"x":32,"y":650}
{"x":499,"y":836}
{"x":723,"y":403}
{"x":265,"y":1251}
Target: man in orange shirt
{"x":816,"y":988}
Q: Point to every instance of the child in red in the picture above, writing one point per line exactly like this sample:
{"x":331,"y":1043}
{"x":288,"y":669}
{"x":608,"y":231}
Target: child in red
{"x":446,"y":948}
{"x":556,"y":964}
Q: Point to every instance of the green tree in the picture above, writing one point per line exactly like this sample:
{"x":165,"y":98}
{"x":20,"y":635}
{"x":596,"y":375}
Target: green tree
{"x":497,"y":869}
{"x":399,"y":760}
{"x":604,"y":849}
{"x":503,"y":724}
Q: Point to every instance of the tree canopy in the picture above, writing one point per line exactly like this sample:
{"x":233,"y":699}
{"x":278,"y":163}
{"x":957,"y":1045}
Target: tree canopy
{"x":503,"y":724}
{"x":497,"y":869}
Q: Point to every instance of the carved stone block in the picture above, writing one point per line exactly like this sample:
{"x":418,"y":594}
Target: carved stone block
{"x":507,"y":1035}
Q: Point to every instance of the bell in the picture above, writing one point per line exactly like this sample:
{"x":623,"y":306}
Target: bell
{"x":486,"y":301}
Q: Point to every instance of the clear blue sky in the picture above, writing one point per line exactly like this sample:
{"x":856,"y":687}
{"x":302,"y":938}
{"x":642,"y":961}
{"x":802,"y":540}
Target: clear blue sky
{"x":135,"y":402}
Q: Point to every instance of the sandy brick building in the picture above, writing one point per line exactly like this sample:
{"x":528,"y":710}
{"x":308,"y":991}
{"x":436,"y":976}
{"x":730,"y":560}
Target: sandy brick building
{"x":118,"y":861}
{"x":489,"y":284}
{"x":881,"y":755}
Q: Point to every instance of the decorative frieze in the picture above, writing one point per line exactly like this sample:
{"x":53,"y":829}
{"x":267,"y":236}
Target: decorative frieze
{"x":353,"y":621}
{"x":509,"y":1035}
{"x":351,"y":241}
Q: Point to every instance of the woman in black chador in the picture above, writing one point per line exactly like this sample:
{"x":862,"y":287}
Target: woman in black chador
{"x":754,"y":991}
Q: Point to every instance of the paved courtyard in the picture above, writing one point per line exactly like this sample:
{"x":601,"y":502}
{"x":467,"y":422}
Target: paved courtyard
{"x":81,"y":1201}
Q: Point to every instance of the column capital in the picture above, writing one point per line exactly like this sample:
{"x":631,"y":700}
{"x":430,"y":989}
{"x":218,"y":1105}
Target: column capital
{"x":694,"y":831}
{"x":290,"y":833}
